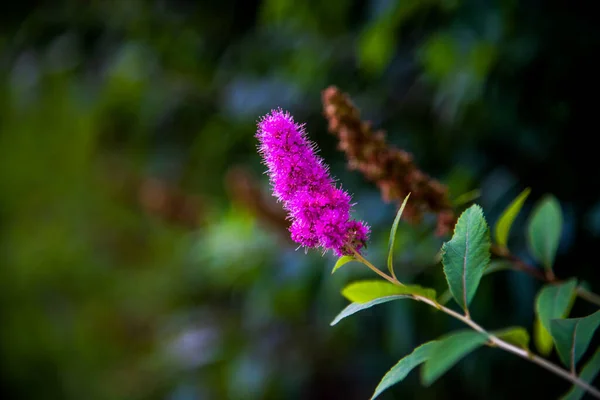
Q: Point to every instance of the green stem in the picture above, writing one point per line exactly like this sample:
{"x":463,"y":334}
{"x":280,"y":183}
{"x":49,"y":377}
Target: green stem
{"x":494,"y":341}
{"x":497,"y":342}
{"x":363,"y":260}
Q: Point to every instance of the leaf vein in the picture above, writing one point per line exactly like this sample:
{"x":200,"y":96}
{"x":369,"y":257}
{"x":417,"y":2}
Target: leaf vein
{"x":573,"y":347}
{"x":464,"y":275}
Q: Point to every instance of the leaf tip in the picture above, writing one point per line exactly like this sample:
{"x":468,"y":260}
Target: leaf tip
{"x":342,"y":261}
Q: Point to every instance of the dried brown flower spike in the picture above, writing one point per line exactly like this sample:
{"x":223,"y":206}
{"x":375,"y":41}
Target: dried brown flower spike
{"x":392,"y":169}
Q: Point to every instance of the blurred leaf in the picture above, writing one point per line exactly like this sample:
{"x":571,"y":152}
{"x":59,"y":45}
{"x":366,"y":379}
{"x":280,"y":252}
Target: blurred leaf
{"x":516,"y":335}
{"x":356,"y":307}
{"x":377,"y":42}
{"x":545,"y":226}
{"x":440,"y":56}
{"x":572,"y":337}
{"x":508,"y":216}
{"x":276,"y":11}
{"x":392,"y":240}
{"x":449,"y":350}
{"x":554,"y":301}
{"x":376,"y":47}
{"x":445,"y":297}
{"x":542,"y":338}
{"x":468,"y":197}
{"x":450,"y":5}
{"x":293,"y":15}
{"x":466,"y":256}
{"x":407,"y":8}
{"x":399,"y":371}
{"x":481,"y":58}
{"x":342,"y":261}
{"x":588,"y":374}
{"x":460,"y":180}
{"x":365,"y":291}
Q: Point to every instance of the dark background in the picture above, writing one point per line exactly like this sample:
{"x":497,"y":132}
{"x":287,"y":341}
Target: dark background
{"x":133,"y":264}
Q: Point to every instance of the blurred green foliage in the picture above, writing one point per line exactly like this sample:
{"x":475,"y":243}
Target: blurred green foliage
{"x":129,"y":270}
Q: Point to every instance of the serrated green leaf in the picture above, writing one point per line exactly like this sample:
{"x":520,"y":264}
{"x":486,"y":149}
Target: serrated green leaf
{"x":494,"y":266}
{"x":554,"y":301}
{"x":588,"y":374}
{"x":544,"y":230}
{"x":466,"y":256}
{"x":516,"y":335}
{"x":448,"y":351}
{"x":356,"y":307}
{"x":542,"y":338}
{"x":399,"y":371}
{"x":572,"y":337}
{"x":392,"y":241}
{"x":508,"y":216}
{"x":342,"y":261}
{"x":365,"y":291}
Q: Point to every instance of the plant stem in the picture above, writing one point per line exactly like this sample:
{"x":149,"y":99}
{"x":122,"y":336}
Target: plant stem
{"x":363,"y":260}
{"x":587,"y":295}
{"x":495,"y":341}
{"x":548,"y":277}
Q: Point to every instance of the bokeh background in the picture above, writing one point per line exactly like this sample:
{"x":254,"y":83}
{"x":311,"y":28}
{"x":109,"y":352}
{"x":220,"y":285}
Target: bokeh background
{"x":141,"y":255}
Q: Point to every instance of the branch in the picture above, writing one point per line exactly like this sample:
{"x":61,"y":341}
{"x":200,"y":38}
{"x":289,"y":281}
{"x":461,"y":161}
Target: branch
{"x":494,"y":341}
{"x":519,"y":265}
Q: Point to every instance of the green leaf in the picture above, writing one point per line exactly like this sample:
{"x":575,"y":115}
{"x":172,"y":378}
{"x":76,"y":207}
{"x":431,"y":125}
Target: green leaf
{"x":356,"y":307}
{"x":466,"y":256}
{"x":445,"y":297}
{"x":542,"y":338}
{"x":554,"y":301}
{"x":448,"y":351}
{"x":399,"y":371}
{"x":516,"y":335}
{"x":572,"y":337}
{"x":390,"y":262}
{"x":494,"y":266}
{"x":588,"y":374}
{"x":466,"y":198}
{"x":440,"y":56}
{"x":376,"y":47}
{"x":365,"y":291}
{"x":341,"y":261}
{"x":508,"y":216}
{"x":545,"y":226}
{"x":481,"y":57}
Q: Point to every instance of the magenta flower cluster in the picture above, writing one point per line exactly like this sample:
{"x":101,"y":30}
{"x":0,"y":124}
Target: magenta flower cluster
{"x":319,"y":211}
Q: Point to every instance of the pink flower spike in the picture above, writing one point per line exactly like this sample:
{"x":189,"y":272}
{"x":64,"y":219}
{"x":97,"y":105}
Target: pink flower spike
{"x":320,"y":212}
